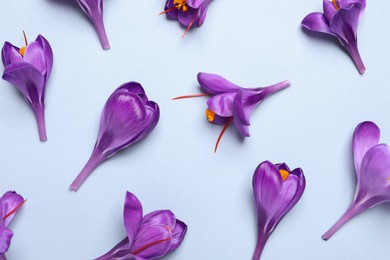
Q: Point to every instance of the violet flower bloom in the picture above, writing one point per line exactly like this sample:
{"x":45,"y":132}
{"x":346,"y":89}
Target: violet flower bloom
{"x":127,"y":117}
{"x":372,"y":165}
{"x":94,"y":10}
{"x":187,"y":12}
{"x":9,"y":205}
{"x":28,"y":69}
{"x":276,"y":190}
{"x":229,"y":102}
{"x":148,"y":237}
{"x":340,"y":19}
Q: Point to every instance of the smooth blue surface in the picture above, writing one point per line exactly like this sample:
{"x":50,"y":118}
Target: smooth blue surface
{"x":252,"y":43}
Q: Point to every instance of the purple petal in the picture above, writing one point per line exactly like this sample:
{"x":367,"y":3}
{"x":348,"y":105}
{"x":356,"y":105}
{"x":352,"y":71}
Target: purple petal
{"x":195,"y":3}
{"x":365,"y":137}
{"x":171,"y":14}
{"x":132,"y":216}
{"x":220,"y":120}
{"x":241,"y":128}
{"x":329,"y":10}
{"x":316,"y":22}
{"x":215,"y":84}
{"x":152,"y":118}
{"x":10,"y":54}
{"x":222,"y":104}
{"x":202,"y":13}
{"x":35,"y":55}
{"x":178,"y":235}
{"x":5,"y":239}
{"x":163,"y":217}
{"x":188,"y":17}
{"x":153,"y":242}
{"x":282,"y":166}
{"x":48,"y":53}
{"x":10,"y":201}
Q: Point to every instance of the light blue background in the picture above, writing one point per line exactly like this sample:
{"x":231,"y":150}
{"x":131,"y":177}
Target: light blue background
{"x":252,"y":43}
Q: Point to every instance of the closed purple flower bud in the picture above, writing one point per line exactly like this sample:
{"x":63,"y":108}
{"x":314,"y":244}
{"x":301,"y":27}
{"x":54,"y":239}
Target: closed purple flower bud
{"x":127,"y":118}
{"x":28,"y":69}
{"x":148,"y":237}
{"x":187,"y":12}
{"x":94,"y":10}
{"x":372,"y":166}
{"x":10,"y":203}
{"x":276,"y":191}
{"x":230,"y":103}
{"x":340,"y":19}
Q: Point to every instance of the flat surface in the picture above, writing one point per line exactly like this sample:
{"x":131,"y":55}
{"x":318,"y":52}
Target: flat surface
{"x":255,"y":43}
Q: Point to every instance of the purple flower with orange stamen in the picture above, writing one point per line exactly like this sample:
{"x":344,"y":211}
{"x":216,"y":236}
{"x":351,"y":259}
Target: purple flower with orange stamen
{"x":28,"y":69}
{"x":127,"y":117}
{"x":372,"y":166}
{"x":10,"y":203}
{"x":231,"y":103}
{"x":148,"y":237}
{"x":276,"y":191}
{"x":94,"y":10}
{"x":340,"y":19}
{"x":187,"y":12}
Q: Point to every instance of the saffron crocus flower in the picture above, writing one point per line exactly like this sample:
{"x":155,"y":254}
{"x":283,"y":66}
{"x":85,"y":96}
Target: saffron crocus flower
{"x":187,"y":12}
{"x":127,"y":118}
{"x":94,"y":10}
{"x":28,"y":69}
{"x":372,"y":166}
{"x":148,"y":237}
{"x":276,"y":191}
{"x":231,"y":103}
{"x":340,"y":19}
{"x":9,"y":205}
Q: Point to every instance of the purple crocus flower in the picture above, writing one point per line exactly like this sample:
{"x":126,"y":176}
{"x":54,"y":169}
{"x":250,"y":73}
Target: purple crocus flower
{"x":372,"y":165}
{"x":340,"y":19}
{"x":231,"y":103}
{"x":127,"y":118}
{"x":148,"y":237}
{"x":187,"y":12}
{"x":28,"y":69}
{"x":276,"y":190}
{"x":9,"y":205}
{"x":94,"y":10}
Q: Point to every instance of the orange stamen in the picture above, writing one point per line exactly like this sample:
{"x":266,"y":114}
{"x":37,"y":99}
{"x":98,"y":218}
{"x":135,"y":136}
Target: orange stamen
{"x":149,"y":245}
{"x":189,"y":27}
{"x":14,"y":210}
{"x":168,"y":10}
{"x":335,"y":4}
{"x":284,"y":174}
{"x":191,"y":96}
{"x":222,"y":132}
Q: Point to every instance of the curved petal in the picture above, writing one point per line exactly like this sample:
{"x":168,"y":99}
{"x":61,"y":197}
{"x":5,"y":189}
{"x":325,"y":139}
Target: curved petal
{"x":35,"y":55}
{"x":202,"y":13}
{"x":27,"y":79}
{"x":195,"y":3}
{"x":152,"y":118}
{"x":48,"y":53}
{"x":10,"y":54}
{"x":375,"y":176}
{"x":222,"y":104}
{"x":132,"y":216}
{"x":153,"y":242}
{"x":178,"y":235}
{"x":173,"y":14}
{"x":329,"y":10}
{"x":10,"y":201}
{"x":219,"y":120}
{"x":283,"y":166}
{"x":316,"y":22}
{"x":241,"y":128}
{"x":162,"y":217}
{"x":365,"y":137}
{"x":215,"y":84}
{"x":5,"y":239}
{"x":244,"y":103}
{"x":188,"y":17}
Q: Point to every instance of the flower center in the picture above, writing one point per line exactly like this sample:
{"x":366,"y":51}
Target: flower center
{"x":284,"y":174}
{"x":336,"y":4}
{"x":210,"y":115}
{"x":23,"y":49}
{"x":181,"y":4}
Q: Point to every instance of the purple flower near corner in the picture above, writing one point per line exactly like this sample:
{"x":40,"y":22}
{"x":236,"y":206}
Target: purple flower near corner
{"x":276,"y":191}
{"x":28,"y":69}
{"x":148,"y":237}
{"x":94,"y":10}
{"x":187,"y":12}
{"x":231,"y":103}
{"x":372,"y":166}
{"x":127,"y":117}
{"x":10,"y":203}
{"x":340,"y":19}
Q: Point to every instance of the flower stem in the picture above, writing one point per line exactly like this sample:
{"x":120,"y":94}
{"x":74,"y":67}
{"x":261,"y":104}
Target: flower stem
{"x":39,"y":111}
{"x":357,"y":59}
{"x":101,"y":31}
{"x":92,"y":163}
{"x":275,"y":88}
{"x":354,"y":210}
{"x":261,"y":241}
{"x":2,"y":257}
